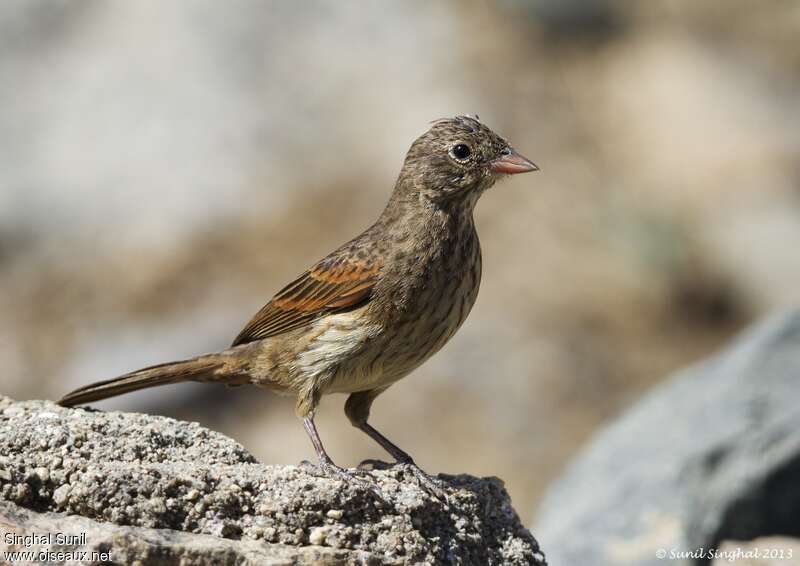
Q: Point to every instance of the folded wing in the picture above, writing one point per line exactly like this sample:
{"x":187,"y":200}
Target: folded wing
{"x":336,"y":283}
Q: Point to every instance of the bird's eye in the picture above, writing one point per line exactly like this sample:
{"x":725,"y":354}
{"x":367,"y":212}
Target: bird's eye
{"x":460,"y":151}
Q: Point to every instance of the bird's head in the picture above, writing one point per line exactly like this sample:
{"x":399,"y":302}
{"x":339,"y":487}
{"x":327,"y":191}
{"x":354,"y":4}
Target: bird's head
{"x":460,"y":158}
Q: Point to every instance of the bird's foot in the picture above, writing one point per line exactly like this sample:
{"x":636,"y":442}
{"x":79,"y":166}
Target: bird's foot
{"x":331,"y":470}
{"x":428,"y":483}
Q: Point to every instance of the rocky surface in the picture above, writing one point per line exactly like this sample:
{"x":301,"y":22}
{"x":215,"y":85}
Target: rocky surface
{"x":166,"y":491}
{"x":710,"y":456}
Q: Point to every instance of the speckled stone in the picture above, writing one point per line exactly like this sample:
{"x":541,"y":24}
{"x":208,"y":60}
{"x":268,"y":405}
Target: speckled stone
{"x":151,"y":476}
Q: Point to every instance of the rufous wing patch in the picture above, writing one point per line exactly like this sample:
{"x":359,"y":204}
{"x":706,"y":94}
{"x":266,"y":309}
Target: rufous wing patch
{"x":333,"y":284}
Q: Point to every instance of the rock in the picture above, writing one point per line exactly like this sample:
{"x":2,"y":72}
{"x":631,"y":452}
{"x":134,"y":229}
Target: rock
{"x":711,"y":455}
{"x":160,"y":491}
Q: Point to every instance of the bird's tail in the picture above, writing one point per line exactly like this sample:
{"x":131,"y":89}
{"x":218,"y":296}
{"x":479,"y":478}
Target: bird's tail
{"x":220,"y":367}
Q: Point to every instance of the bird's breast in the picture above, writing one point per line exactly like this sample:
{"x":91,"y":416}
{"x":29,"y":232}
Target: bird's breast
{"x":422,"y":302}
{"x":435,"y":297}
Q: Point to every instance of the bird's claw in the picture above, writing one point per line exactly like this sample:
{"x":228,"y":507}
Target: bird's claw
{"x":429,"y":484}
{"x":331,"y":470}
{"x":432,"y":486}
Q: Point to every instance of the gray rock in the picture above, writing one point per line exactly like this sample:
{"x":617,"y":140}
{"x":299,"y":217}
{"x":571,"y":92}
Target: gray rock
{"x":162,"y":491}
{"x":711,"y":455}
{"x":92,"y":542}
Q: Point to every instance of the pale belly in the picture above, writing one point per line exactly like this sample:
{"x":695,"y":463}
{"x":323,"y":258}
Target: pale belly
{"x":350,"y":356}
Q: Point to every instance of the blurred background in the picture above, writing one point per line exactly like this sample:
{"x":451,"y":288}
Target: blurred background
{"x":166,"y":167}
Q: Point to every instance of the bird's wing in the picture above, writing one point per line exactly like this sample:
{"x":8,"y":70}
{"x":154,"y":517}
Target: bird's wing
{"x":333,"y":284}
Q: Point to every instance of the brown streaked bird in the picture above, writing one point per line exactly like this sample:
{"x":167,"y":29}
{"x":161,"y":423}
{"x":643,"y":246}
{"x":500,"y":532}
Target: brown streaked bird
{"x":377,"y":307}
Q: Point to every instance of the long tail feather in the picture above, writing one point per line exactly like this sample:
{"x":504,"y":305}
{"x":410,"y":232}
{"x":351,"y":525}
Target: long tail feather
{"x":197,"y":369}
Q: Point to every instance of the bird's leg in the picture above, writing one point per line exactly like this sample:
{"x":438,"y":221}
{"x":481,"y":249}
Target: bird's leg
{"x":397,"y":453}
{"x":327,"y":466}
{"x":306,"y":404}
{"x":311,"y":430}
{"x":426,"y":481}
{"x":325,"y":462}
{"x":357,"y":410}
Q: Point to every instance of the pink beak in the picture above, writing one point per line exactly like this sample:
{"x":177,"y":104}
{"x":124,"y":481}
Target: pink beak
{"x":512,"y":163}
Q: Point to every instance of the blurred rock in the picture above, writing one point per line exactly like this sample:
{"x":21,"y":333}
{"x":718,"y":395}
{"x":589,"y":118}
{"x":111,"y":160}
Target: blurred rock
{"x":768,"y":551}
{"x":577,"y":21}
{"x":709,"y":456}
{"x":166,"y":492}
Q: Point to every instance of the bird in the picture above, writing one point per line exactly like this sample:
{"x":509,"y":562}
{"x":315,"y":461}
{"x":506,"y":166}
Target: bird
{"x":374,"y":309}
